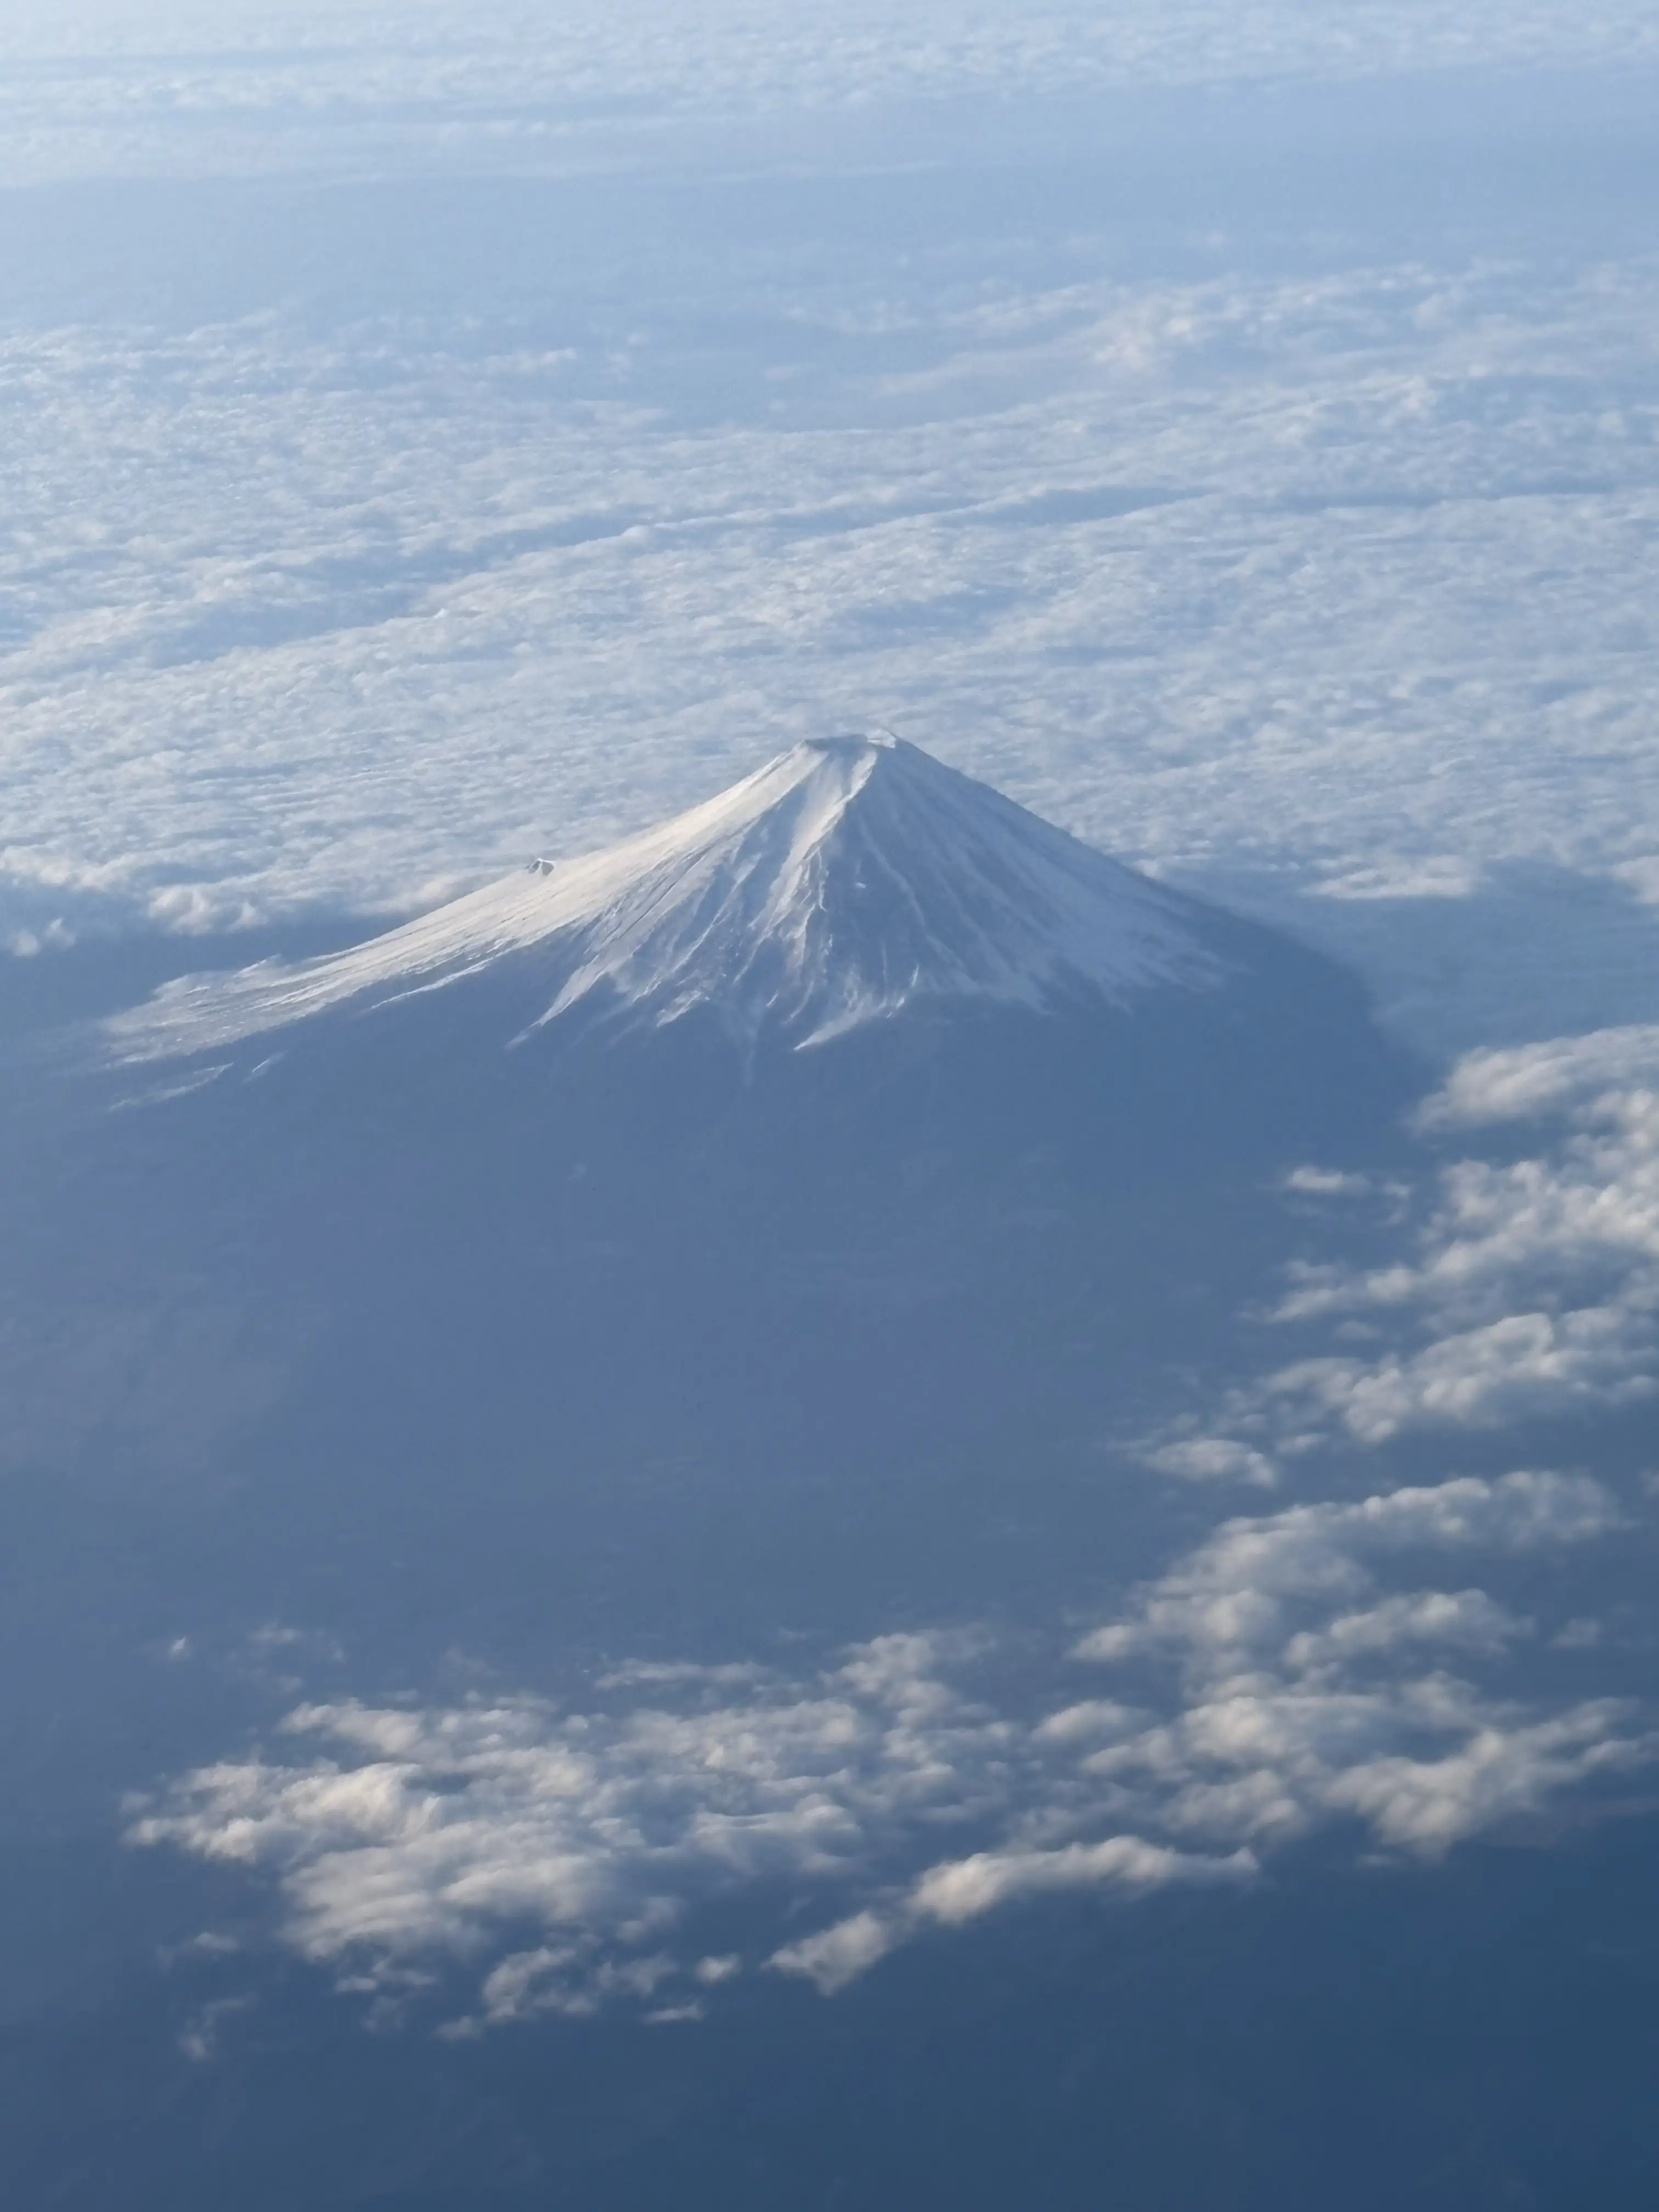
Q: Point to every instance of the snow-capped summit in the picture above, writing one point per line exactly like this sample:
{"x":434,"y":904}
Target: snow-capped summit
{"x":849,"y":878}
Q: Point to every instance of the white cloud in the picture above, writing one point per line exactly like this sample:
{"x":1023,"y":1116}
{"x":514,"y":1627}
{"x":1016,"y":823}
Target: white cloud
{"x":1514,"y":1289}
{"x":1269,"y":1761}
{"x":425,"y":1830}
{"x":1235,"y":1595}
{"x":840,"y":1954}
{"x":1327,"y":1182}
{"x":1525,"y":1365}
{"x":1213,"y":1459}
{"x":1307,"y":1684}
{"x":1427,"y":1805}
{"x":1089,"y":1722}
{"x":1446,"y":1618}
{"x":1314,"y":1644}
{"x":1522,"y":1082}
{"x":1300,"y":1699}
{"x":960,"y":1890}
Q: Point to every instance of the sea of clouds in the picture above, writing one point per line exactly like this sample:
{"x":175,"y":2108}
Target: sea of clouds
{"x":212,"y":86}
{"x":1279,"y":516}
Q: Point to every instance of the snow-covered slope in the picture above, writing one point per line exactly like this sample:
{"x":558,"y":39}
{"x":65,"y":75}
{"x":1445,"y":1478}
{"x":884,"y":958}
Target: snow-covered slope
{"x":848,"y":878}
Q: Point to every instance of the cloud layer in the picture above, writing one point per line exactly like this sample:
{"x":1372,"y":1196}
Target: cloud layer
{"x":117,"y":86}
{"x":356,"y":546}
{"x":1245,"y":577}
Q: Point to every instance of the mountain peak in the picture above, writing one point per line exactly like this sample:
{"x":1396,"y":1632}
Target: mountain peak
{"x":853,"y":744}
{"x":849,"y":878}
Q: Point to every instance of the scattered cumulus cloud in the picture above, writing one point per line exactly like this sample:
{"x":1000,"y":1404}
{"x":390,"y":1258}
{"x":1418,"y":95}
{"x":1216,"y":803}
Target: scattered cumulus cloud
{"x":1514,"y":1289}
{"x":1327,"y":1182}
{"x":1213,"y":1459}
{"x":1230,"y":1597}
{"x":1526,"y":1365}
{"x":1522,"y":1082}
{"x":1305,"y":1696}
{"x":425,"y":1830}
{"x":1296,"y":1669}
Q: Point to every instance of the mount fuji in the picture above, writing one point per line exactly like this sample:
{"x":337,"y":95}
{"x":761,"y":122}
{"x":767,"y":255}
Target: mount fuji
{"x":849,"y":879}
{"x":641,"y":1252}
{"x":857,"y":1068}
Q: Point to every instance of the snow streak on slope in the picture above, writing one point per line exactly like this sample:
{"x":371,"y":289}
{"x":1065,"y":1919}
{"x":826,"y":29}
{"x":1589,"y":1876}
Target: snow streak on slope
{"x":847,"y":878}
